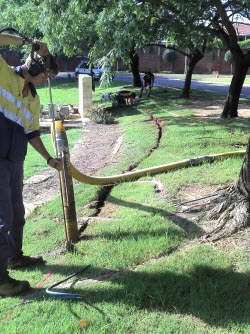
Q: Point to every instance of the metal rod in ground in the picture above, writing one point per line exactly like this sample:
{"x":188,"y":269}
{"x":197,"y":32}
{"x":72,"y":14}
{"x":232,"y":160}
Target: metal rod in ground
{"x":53,"y":117}
{"x":68,"y":197}
{"x":53,"y":134}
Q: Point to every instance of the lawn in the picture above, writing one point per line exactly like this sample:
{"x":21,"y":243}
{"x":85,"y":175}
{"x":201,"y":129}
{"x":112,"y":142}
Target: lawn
{"x":148,"y":273}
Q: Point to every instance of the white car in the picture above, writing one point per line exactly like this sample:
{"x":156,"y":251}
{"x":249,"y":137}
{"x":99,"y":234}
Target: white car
{"x":83,"y":68}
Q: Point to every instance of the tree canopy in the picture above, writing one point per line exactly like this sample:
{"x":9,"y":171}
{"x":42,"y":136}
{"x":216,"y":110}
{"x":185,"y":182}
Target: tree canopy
{"x":114,"y":30}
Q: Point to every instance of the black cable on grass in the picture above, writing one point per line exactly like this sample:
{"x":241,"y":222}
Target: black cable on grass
{"x":195,"y":200}
{"x":63,"y":294}
{"x":60,"y":295}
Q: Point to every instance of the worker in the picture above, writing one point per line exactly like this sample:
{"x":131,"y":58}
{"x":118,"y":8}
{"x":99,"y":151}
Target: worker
{"x":19,"y":125}
{"x":125,"y":98}
{"x":147,"y":83}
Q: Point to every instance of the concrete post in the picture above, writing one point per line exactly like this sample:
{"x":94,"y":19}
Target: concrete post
{"x":85,"y":94}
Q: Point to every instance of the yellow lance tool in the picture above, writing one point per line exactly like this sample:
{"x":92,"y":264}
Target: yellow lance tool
{"x":60,"y":143}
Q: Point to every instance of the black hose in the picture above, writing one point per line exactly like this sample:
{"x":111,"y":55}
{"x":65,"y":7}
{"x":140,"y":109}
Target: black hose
{"x":53,"y":295}
{"x":9,"y":29}
{"x":198,"y":199}
{"x":62,"y":294}
{"x":59,"y":295}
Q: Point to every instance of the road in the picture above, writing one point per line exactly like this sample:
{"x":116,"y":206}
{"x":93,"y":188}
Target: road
{"x":220,"y":87}
{"x":171,"y":80}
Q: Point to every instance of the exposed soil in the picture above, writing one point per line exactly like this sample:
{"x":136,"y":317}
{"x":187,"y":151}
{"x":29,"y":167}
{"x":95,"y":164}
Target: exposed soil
{"x":100,"y":147}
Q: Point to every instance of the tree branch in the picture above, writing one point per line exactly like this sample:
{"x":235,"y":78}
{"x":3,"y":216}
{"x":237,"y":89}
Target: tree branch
{"x":227,"y":23}
{"x":163,"y":5}
{"x":177,"y":49}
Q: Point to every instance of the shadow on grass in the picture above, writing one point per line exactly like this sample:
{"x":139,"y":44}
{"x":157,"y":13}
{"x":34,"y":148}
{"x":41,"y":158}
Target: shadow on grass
{"x":229,"y":124}
{"x":186,"y":225}
{"x":219,"y":297}
{"x":141,"y":234}
{"x":125,"y":111}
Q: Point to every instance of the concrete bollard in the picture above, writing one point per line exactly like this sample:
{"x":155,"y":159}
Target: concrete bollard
{"x":85,"y":94}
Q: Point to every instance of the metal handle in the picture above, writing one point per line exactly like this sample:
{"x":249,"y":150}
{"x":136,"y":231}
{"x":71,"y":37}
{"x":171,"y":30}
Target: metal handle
{"x":65,"y":175}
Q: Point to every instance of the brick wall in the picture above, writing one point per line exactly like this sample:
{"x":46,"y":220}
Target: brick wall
{"x":212,"y":62}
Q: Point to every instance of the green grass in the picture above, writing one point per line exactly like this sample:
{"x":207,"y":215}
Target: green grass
{"x":138,"y":281}
{"x":35,"y":163}
{"x":64,"y":91}
{"x":220,"y":79}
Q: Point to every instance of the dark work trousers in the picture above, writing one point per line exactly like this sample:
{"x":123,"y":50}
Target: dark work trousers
{"x":11,"y":212}
{"x":120,"y":99}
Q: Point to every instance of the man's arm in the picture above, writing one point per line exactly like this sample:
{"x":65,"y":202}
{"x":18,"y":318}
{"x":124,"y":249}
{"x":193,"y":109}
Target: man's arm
{"x":7,"y":39}
{"x":38,"y":145}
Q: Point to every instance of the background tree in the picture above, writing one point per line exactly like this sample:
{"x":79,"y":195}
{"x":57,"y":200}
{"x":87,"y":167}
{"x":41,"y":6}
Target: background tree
{"x":70,"y":25}
{"x":123,"y":29}
{"x":215,"y":16}
{"x":16,"y":14}
{"x":229,"y":58}
{"x":224,"y":29}
{"x":170,"y":56}
{"x":232,"y":208}
{"x":181,"y":37}
{"x":194,"y":54}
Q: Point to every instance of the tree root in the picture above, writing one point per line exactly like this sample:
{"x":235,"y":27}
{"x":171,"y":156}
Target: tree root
{"x":232,"y":215}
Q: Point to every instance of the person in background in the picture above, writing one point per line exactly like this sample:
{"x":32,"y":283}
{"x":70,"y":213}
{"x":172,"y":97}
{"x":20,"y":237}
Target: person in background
{"x":125,"y":98}
{"x":147,"y":83}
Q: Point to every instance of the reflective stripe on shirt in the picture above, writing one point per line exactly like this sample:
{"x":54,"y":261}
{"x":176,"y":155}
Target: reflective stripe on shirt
{"x":8,"y":96}
{"x":11,"y":117}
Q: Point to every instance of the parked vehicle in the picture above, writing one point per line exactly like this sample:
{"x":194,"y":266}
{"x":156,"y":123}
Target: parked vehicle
{"x":84,"y":68}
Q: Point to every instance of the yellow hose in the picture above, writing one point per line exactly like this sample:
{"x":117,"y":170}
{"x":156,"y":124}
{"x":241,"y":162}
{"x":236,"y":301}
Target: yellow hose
{"x":108,"y":180}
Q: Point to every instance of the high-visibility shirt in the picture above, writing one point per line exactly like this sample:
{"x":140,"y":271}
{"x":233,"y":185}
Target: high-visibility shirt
{"x":19,"y":116}
{"x":126,"y":93}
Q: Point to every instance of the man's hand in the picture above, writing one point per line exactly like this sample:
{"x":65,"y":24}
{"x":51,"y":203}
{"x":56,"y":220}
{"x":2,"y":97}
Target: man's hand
{"x":56,"y":163}
{"x":37,"y":144}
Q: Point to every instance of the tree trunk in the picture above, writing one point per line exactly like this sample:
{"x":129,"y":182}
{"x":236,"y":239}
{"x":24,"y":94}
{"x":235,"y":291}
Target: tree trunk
{"x":231,"y":106}
{"x":193,"y":59}
{"x":233,"y":210}
{"x":134,"y":65}
{"x":243,"y":182}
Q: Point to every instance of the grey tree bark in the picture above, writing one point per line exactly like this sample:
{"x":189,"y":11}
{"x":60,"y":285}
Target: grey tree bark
{"x":233,"y":211}
{"x":231,"y":106}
